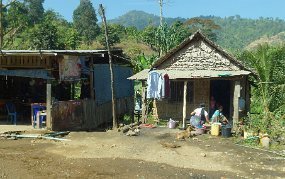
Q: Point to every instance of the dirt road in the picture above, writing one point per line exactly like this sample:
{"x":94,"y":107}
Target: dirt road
{"x":114,"y":155}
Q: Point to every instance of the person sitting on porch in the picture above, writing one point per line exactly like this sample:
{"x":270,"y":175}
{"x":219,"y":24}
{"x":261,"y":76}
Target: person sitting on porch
{"x":219,"y":117}
{"x":199,"y":116}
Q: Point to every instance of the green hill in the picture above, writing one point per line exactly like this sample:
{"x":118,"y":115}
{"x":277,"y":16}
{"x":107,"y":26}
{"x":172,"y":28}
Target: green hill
{"x":235,"y":34}
{"x":141,"y":19}
{"x":278,"y":39}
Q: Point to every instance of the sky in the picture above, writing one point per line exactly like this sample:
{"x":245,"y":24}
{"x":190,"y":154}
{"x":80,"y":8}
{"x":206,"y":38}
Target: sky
{"x":178,"y":8}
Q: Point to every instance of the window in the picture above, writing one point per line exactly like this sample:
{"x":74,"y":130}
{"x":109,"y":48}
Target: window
{"x":177,"y":90}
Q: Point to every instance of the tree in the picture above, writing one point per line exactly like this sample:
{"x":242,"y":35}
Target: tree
{"x":168,"y":37}
{"x":45,"y":35}
{"x":142,"y":62}
{"x":71,"y":39}
{"x":269,"y":99}
{"x":35,"y":10}
{"x":113,"y":35}
{"x":207,"y":26}
{"x":148,"y":34}
{"x":16,"y":22}
{"x":3,"y":8}
{"x":68,"y":37}
{"x":85,"y":21}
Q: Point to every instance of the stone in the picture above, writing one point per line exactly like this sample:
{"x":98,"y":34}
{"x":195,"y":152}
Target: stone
{"x":203,"y":154}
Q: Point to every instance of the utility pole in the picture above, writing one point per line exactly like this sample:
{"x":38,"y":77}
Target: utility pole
{"x":161,"y":24}
{"x":102,"y":13}
{"x":161,"y":12}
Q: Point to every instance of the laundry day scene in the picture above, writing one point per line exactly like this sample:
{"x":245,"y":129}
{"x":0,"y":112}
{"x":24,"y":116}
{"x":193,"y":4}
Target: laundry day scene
{"x":143,"y":89}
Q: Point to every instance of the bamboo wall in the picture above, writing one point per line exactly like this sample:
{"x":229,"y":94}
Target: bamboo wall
{"x":168,"y":109}
{"x":86,"y":114}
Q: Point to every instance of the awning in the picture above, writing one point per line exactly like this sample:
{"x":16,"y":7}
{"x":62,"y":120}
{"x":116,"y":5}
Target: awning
{"x":175,"y":74}
{"x":38,"y":73}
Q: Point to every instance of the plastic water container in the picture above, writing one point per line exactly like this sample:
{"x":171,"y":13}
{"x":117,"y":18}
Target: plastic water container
{"x":171,"y":124}
{"x":215,"y":129}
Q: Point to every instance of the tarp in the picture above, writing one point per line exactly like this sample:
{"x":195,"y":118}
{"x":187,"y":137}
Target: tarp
{"x":69,"y":68}
{"x":31,"y":73}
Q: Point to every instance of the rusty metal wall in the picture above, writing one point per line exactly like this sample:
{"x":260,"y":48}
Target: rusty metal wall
{"x":81,"y":115}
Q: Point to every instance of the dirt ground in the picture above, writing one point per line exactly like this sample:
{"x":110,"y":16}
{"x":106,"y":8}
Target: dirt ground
{"x":113,"y":155}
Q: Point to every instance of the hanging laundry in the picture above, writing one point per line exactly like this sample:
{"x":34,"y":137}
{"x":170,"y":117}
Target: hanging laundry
{"x":154,"y":85}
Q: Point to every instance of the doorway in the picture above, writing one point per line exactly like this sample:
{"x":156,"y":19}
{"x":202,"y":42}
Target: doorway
{"x":221,"y":92}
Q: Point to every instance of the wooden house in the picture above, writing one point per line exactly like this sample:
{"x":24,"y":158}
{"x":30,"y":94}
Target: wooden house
{"x":73,"y":86}
{"x":199,"y":69}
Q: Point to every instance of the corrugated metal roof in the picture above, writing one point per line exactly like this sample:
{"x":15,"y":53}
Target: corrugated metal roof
{"x":175,"y":74}
{"x":53,"y":52}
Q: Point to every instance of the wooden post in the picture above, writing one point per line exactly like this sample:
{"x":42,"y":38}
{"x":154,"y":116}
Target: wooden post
{"x":184,"y":104}
{"x":48,"y":106}
{"x":154,"y":111}
{"x":235,"y":104}
{"x":72,"y":90}
{"x":91,"y":82}
{"x":144,"y":115}
{"x":1,"y":24}
{"x":111,"y":67}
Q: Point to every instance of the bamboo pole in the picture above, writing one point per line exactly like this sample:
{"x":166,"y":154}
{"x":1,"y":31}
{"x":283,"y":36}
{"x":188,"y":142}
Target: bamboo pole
{"x":184,"y":103}
{"x":161,"y":12}
{"x":111,"y":67}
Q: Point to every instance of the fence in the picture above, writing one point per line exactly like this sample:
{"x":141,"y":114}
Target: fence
{"x":86,"y":114}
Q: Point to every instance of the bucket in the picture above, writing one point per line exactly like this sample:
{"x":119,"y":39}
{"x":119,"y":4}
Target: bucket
{"x":199,"y":131}
{"x":171,"y":124}
{"x":265,"y":142}
{"x":226,"y":131}
{"x":215,"y":129}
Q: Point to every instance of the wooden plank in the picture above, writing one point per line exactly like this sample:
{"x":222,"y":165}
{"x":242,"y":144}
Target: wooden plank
{"x":49,"y":105}
{"x":184,"y":104}
{"x":236,"y":96}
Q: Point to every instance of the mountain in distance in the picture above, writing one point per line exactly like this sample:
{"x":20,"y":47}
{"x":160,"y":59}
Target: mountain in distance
{"x":141,"y":19}
{"x":236,"y":33}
